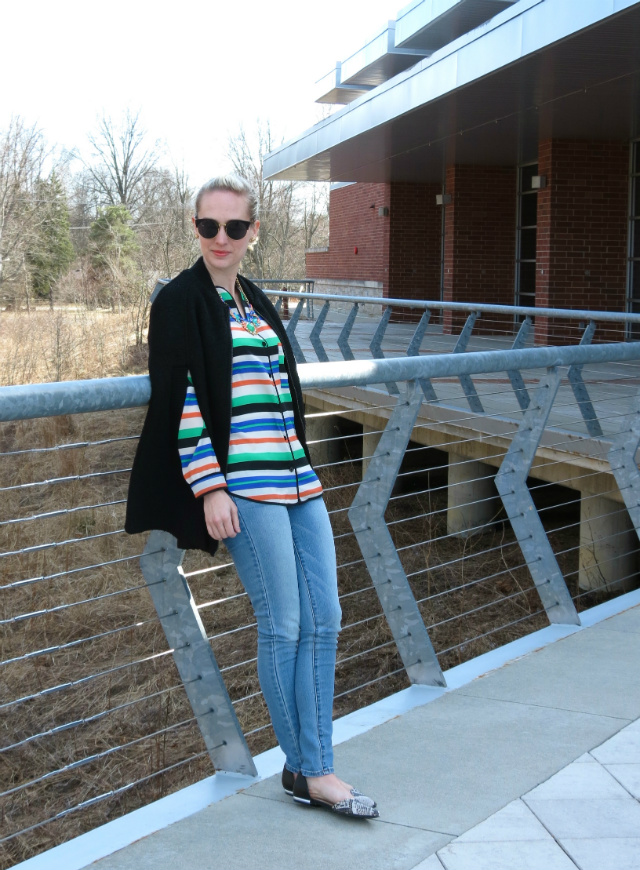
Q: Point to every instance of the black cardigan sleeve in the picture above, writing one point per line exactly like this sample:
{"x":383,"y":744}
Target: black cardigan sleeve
{"x":159,"y":497}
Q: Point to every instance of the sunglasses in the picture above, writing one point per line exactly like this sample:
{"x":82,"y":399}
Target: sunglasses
{"x":236,"y":229}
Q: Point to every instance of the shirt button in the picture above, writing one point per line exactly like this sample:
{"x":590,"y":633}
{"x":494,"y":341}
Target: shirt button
{"x":291,"y":468}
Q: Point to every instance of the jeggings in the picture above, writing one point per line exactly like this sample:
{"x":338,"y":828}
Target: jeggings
{"x":285,"y":558}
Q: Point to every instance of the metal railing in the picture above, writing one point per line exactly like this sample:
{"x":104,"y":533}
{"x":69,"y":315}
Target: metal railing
{"x":337,"y":326}
{"x":458,"y":527}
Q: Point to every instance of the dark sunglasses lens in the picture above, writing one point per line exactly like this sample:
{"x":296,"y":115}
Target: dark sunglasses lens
{"x":237,"y":229}
{"x":208,"y":228}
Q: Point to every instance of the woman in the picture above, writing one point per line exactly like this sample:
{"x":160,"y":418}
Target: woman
{"x":222,"y":457}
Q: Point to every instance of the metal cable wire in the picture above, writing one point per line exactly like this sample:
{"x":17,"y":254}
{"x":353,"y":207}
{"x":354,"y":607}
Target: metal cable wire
{"x":470,"y":583}
{"x":68,"y":479}
{"x":110,"y":794}
{"x":17,"y":584}
{"x":458,"y":559}
{"x":58,"y":608}
{"x":365,"y":652}
{"x":491,"y":631}
{"x":72,"y":684}
{"x":73,"y":446}
{"x":82,"y":640}
{"x":61,"y":512}
{"x":53,"y":544}
{"x":480,"y":608}
{"x":89,"y":759}
{"x":88,"y":720}
{"x":369,"y":683}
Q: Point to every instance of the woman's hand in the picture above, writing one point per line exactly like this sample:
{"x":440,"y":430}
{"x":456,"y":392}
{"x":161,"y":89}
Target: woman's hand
{"x":221,"y":515}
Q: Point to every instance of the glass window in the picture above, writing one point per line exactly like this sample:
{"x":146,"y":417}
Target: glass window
{"x":527,"y":279}
{"x":528,"y":210}
{"x":526,"y":174}
{"x":528,"y":243}
{"x":526,"y":230}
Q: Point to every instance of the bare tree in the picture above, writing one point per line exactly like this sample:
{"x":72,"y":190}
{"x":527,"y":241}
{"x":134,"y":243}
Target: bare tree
{"x":123,"y":166}
{"x":22,"y":155}
{"x":167,"y":240}
{"x":292,"y":214}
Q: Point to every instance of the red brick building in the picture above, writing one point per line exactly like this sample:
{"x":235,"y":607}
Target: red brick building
{"x":488,"y":151}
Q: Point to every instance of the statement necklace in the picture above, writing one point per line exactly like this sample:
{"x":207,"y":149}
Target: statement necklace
{"x":252,"y":321}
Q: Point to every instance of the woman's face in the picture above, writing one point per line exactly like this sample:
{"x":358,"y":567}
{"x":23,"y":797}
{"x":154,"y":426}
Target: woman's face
{"x":221,"y":254}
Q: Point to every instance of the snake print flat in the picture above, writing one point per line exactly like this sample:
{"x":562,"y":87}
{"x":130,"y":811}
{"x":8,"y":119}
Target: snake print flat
{"x":353,"y":806}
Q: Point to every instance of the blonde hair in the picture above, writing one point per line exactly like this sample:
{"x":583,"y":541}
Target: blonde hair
{"x":234,"y":184}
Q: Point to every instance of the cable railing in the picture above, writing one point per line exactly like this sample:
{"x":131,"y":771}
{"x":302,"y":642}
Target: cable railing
{"x":456,"y":531}
{"x":356,"y":326}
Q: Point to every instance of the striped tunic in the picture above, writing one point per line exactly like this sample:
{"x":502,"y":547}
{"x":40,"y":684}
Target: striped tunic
{"x":266,"y":461}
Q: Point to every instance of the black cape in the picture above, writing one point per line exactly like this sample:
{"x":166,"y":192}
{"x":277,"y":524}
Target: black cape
{"x":189,"y":331}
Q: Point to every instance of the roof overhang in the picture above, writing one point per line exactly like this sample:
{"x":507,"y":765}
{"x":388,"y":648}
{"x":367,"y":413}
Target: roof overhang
{"x":540,"y":69}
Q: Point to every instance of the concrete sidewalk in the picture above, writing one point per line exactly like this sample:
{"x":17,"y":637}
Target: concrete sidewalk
{"x":443,"y":768}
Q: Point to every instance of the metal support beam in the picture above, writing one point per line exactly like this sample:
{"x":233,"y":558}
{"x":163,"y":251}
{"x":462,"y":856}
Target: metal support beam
{"x":580,"y":390}
{"x":389,"y":579}
{"x":376,"y":346}
{"x":622,"y":458}
{"x":345,"y":332}
{"x":316,"y":341}
{"x":376,"y":342}
{"x":194,"y":658}
{"x":517,"y":381}
{"x":414,"y":350}
{"x":291,"y":332}
{"x":465,"y":380}
{"x":511,"y":483}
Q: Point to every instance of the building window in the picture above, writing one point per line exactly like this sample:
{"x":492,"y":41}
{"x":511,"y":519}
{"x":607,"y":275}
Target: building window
{"x":526,"y":237}
{"x":633,"y":295}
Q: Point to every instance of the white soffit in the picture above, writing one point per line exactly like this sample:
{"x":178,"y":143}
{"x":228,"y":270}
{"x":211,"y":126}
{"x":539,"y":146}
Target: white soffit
{"x":539,"y":69}
{"x":428,"y":25}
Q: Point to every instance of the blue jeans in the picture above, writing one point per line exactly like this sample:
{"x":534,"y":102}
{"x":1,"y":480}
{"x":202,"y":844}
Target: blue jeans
{"x":285,"y":558}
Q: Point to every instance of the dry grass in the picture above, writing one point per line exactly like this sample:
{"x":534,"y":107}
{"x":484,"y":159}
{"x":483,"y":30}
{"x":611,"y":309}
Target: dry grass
{"x":65,"y":344}
{"x":103,"y":650}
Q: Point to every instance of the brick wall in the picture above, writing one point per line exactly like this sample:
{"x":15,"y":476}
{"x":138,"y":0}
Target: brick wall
{"x":582,"y":231}
{"x":354,"y":223}
{"x":479,"y":240}
{"x":402,"y":251}
{"x":415,"y":247}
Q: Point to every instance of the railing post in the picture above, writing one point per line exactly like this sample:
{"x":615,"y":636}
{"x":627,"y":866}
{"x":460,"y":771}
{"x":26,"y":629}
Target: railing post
{"x":291,"y":332}
{"x":580,"y":390}
{"x":376,"y":346}
{"x":515,"y":376}
{"x":465,"y":380}
{"x":194,"y":658}
{"x":389,"y":579}
{"x":511,"y":483}
{"x":414,"y":350}
{"x":622,"y":459}
{"x":345,"y":332}
{"x":316,"y":341}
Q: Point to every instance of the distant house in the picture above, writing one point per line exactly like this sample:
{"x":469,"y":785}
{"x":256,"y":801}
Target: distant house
{"x":488,"y":150}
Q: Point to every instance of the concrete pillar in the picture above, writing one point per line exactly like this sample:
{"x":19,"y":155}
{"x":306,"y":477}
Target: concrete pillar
{"x":472,"y":498}
{"x":322,"y":430}
{"x":370,"y":437}
{"x":608,"y":545}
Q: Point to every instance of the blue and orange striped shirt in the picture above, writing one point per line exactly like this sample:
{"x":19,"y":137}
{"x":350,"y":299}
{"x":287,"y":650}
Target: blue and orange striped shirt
{"x":266,"y":461}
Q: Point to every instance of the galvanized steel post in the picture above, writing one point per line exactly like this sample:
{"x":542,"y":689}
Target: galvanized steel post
{"x":511,"y":483}
{"x":389,"y":579}
{"x":194,"y":658}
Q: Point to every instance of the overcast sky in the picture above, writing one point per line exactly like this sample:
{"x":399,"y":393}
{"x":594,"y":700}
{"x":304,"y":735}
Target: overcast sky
{"x":196,"y":70}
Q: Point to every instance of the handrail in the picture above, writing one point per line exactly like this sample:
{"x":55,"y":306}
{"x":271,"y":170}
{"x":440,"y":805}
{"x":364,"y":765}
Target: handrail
{"x":440,"y":304}
{"x":423,"y":580}
{"x":104,"y":394}
{"x":481,"y":307}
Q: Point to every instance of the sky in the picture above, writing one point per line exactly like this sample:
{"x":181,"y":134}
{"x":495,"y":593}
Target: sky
{"x":195,"y":71}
